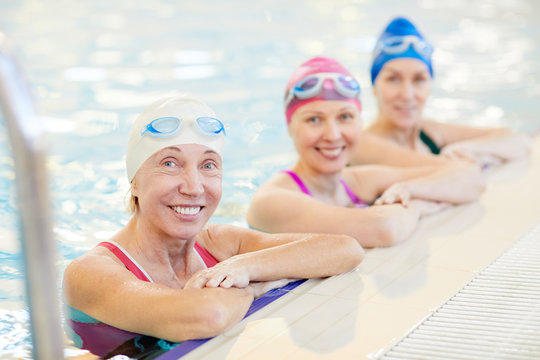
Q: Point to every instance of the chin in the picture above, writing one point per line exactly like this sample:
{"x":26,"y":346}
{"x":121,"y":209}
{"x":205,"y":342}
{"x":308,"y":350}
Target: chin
{"x":332,"y":168}
{"x":405,"y":122}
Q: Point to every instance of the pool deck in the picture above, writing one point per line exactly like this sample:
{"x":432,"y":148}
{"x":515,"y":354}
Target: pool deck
{"x":360,"y":314}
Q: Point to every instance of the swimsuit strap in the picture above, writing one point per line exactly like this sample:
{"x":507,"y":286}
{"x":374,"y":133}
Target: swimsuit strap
{"x":429,"y":143}
{"x":355,"y":199}
{"x":127,"y":260}
{"x":299,"y":182}
{"x":208,"y":259}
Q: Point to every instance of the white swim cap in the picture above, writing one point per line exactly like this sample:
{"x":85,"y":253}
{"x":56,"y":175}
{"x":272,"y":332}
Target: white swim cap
{"x":172,"y":121}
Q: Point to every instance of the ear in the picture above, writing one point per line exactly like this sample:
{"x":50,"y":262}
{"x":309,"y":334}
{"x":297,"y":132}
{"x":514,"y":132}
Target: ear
{"x":134,"y":186}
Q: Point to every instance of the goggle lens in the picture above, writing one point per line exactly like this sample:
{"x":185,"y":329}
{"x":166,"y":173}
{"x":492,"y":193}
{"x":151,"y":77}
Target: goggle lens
{"x":312,"y":85}
{"x":169,"y":125}
{"x":349,"y":83}
{"x":163,"y":126}
{"x":308,"y":84}
{"x":210,"y":125}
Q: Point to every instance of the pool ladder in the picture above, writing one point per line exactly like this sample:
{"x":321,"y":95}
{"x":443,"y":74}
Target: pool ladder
{"x":28,"y":146}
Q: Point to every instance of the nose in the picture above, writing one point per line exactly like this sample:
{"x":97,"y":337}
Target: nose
{"x":332,"y":130}
{"x":191,"y":184}
{"x":407,"y":90}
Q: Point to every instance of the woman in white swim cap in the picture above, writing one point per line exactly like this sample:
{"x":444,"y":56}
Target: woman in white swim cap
{"x":168,"y":273}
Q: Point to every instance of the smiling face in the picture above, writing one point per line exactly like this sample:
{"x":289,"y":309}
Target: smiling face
{"x":178,"y":188}
{"x":401,"y":89}
{"x":324,"y":134}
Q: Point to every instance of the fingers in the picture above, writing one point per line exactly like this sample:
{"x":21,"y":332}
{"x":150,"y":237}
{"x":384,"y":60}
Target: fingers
{"x":394,"y":194}
{"x":197,"y":281}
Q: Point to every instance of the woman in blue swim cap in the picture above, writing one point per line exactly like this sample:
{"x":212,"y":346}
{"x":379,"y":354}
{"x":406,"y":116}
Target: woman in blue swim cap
{"x":169,"y":273}
{"x":320,"y":193}
{"x":401,"y":74}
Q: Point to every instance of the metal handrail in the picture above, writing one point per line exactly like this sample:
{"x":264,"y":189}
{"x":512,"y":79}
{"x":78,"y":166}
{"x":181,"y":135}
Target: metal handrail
{"x":28,"y":145}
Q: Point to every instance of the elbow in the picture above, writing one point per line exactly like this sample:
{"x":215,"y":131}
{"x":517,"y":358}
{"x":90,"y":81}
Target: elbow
{"x":207,"y":321}
{"x":386,"y":238}
{"x":354,"y":252}
{"x":478,"y":183}
{"x":215,"y":321}
{"x":211,"y":321}
{"x":381,"y":234}
{"x":474,"y":186}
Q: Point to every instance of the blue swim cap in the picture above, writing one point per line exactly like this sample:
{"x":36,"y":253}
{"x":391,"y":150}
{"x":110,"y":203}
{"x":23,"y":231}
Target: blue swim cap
{"x":400,"y":39}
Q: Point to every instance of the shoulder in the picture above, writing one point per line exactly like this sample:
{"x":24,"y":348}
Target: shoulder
{"x":90,"y":273}
{"x":281,"y":180}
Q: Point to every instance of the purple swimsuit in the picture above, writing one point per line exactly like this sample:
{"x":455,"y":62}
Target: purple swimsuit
{"x":101,"y":338}
{"x":358,"y":203}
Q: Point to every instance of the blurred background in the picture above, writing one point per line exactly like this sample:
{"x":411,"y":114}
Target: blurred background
{"x":92,"y":66}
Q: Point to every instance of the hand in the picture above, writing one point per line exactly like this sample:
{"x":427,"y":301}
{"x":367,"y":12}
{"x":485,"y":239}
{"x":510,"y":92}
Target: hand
{"x":226,"y":274}
{"x":261,"y":288}
{"x":458,"y":151}
{"x":426,"y":207}
{"x":397,"y":193}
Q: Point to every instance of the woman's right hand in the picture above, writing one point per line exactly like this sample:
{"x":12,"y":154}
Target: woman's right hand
{"x":426,"y":207}
{"x":226,"y":274}
{"x":262,"y":287}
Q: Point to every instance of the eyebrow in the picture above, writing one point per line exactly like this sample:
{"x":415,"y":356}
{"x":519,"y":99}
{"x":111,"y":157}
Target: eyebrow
{"x":175,"y":148}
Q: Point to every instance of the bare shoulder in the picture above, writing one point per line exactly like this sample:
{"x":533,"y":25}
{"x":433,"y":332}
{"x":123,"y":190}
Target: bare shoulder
{"x":278,"y":181}
{"x":93,"y":260}
{"x":279,"y":186}
{"x":91,"y":274}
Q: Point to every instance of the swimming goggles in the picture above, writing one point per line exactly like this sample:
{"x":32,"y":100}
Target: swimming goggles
{"x":312,"y":85}
{"x":399,"y":44}
{"x":169,"y":125}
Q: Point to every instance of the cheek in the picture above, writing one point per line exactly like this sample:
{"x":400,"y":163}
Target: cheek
{"x":304,"y":136}
{"x":214,"y":187}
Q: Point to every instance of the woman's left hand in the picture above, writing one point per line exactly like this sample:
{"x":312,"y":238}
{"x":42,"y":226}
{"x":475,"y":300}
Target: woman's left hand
{"x":397,"y":193}
{"x":226,"y":274}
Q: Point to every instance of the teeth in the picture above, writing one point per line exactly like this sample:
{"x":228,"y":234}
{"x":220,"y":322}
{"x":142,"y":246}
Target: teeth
{"x":333,"y":152}
{"x":187,"y":210}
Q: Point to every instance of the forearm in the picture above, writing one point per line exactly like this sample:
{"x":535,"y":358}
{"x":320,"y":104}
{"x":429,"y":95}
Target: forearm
{"x":178,"y":315}
{"x":459,"y":182}
{"x":400,"y":224}
{"x":504,"y":144}
{"x":312,"y":256}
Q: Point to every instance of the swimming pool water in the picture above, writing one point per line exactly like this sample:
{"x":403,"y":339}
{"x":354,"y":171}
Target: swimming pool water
{"x":92,"y":66}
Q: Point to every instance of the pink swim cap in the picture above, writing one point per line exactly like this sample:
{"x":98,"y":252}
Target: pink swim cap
{"x":313,"y":66}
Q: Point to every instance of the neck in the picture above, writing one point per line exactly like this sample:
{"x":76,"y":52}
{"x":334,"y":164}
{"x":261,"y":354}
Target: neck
{"x":324,"y":187}
{"x":169,"y":261}
{"x":403,"y":137}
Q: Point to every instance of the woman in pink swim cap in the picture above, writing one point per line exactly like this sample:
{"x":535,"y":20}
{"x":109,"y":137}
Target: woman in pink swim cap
{"x":321,"y":194}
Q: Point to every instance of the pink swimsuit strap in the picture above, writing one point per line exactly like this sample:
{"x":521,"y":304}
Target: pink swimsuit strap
{"x":124,"y":258}
{"x":354,"y":199}
{"x":208,"y":258}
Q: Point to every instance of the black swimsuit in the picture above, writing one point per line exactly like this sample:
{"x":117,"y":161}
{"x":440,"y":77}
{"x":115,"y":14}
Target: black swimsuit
{"x":429,"y":143}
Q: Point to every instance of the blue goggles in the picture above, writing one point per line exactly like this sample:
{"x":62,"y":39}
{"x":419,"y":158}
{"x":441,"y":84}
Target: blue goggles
{"x":399,"y":44}
{"x":169,"y":125}
{"x":312,"y":85}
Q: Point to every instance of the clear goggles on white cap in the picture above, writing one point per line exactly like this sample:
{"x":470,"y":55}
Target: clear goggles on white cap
{"x":312,"y":85}
{"x":169,"y":125}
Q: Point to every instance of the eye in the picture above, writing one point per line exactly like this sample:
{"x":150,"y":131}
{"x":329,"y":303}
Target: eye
{"x":420,"y":78}
{"x":210,"y":164}
{"x":169,"y":163}
{"x":314,"y":120}
{"x":346,"y":116}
